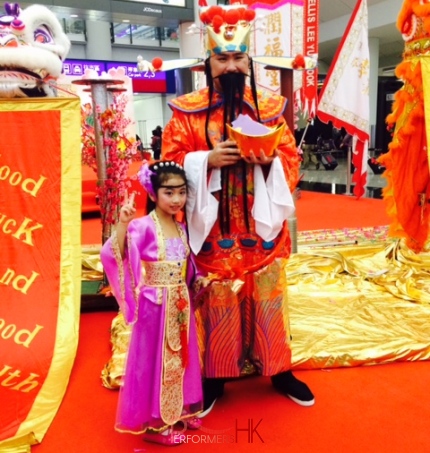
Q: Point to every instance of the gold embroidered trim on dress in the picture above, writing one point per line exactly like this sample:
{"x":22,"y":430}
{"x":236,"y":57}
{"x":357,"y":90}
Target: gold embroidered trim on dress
{"x":120,"y":264}
{"x":134,"y":284}
{"x":170,"y":278}
{"x":172,"y":401}
{"x":164,"y":273}
{"x":121,"y":274}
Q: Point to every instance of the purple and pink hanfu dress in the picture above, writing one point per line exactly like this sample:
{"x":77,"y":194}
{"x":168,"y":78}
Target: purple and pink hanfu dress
{"x":162,"y":379}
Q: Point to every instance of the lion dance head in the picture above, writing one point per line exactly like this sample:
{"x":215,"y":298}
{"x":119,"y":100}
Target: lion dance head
{"x":33,"y":47}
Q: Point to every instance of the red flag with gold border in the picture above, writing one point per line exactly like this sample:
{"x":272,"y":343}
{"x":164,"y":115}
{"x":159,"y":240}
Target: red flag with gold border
{"x":40,"y":262}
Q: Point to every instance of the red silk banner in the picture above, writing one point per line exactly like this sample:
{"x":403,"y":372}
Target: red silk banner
{"x":309,"y":91}
{"x":40,"y":262}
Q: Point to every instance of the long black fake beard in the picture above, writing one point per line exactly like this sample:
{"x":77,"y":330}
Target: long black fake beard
{"x":232,"y":81}
{"x":233,"y":88}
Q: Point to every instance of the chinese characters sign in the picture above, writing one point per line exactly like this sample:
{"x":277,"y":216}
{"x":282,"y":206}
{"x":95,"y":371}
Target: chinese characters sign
{"x":288,"y":28}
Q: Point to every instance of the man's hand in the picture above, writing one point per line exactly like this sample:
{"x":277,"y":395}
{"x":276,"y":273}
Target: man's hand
{"x":262,"y":159}
{"x":224,"y":153}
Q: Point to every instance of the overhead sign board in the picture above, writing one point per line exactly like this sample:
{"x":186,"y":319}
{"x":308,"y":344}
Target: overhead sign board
{"x":143,"y":82}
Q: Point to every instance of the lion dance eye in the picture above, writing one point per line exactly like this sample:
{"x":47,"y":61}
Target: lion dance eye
{"x":424,"y":2}
{"x":409,"y":28}
{"x":43,"y":36}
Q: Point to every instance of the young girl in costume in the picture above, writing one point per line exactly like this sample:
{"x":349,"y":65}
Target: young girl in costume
{"x":149,"y":266}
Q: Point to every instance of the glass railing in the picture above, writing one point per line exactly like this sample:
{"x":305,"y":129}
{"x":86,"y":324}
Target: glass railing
{"x":75,"y":29}
{"x":144,"y":35}
{"x":125,"y":33}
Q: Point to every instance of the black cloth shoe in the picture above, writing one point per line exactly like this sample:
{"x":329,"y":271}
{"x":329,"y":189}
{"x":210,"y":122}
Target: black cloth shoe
{"x":212,"y":390}
{"x":287,"y":384}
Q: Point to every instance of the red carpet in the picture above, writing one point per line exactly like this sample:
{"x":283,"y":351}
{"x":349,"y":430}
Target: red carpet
{"x":366,"y":409}
{"x":316,"y":210}
{"x":373,"y":409}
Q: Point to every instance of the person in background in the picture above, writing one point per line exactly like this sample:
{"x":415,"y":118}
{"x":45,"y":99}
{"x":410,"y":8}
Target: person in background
{"x":337,"y":136}
{"x":346,"y":146}
{"x":162,"y":378}
{"x":236,"y":220}
{"x":309,"y":146}
{"x":346,"y":142}
{"x":156,"y":142}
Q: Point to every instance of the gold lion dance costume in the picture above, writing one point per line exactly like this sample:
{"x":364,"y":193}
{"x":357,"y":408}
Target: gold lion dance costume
{"x":407,"y":163}
{"x":236,"y":216}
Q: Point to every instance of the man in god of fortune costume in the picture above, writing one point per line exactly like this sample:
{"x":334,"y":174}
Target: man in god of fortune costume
{"x":236,"y":214}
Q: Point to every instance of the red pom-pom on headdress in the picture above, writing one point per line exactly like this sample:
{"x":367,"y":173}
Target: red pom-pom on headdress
{"x":204,"y":17}
{"x":249,"y":15}
{"x":234,"y":20}
{"x":215,"y":11}
{"x":217,"y":22}
{"x":232,"y":16}
{"x":157,"y":62}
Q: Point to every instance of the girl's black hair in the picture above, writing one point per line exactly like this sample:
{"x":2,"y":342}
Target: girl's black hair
{"x":162,"y":171}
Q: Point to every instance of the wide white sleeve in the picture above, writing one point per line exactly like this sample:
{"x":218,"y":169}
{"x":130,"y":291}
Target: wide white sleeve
{"x":273,"y":202}
{"x":202,"y":206}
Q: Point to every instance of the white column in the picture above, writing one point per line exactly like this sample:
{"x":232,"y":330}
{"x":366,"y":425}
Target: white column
{"x":98,"y":40}
{"x":191,"y":45}
{"x":373,"y":85}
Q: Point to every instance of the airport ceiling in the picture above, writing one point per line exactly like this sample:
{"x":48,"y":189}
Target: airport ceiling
{"x":391,"y":43}
{"x":331,"y":12}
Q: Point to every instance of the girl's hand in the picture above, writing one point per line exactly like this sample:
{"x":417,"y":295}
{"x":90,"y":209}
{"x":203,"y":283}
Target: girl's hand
{"x":200,"y":284}
{"x":128,"y":211}
{"x":204,"y":282}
